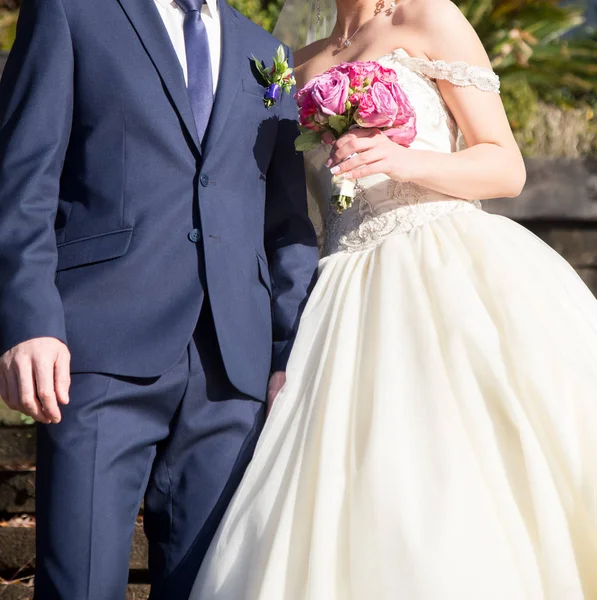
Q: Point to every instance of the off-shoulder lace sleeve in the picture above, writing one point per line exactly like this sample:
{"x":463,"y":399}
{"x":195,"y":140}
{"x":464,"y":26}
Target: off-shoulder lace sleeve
{"x":457,"y":73}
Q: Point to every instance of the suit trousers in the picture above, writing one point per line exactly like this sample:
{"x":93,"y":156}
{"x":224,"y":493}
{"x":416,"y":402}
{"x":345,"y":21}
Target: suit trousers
{"x":183,"y":440}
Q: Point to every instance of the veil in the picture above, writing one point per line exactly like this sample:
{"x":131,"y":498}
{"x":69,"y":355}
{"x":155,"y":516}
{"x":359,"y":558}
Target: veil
{"x":302,"y":22}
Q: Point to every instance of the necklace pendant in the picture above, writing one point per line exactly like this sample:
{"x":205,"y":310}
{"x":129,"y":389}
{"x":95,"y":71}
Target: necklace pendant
{"x":347,"y":44}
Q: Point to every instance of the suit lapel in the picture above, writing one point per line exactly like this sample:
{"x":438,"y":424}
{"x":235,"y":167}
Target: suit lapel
{"x":146,"y":21}
{"x":231,"y":66}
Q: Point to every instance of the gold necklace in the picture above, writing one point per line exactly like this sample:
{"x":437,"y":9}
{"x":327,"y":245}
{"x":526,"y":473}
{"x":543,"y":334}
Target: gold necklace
{"x":346,"y":42}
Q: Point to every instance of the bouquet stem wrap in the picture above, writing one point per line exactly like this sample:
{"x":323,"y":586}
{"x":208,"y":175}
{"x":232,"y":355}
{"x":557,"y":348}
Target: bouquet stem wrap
{"x":343,"y":193}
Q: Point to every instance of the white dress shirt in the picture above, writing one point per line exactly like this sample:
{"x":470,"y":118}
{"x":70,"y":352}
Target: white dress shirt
{"x":173,"y":17}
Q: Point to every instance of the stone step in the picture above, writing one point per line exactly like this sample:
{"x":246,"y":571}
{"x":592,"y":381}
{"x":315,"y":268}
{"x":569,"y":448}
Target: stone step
{"x":589,"y":276}
{"x":17,"y":492}
{"x":577,"y":245}
{"x":17,"y":550}
{"x":17,"y":448}
{"x":17,"y":591}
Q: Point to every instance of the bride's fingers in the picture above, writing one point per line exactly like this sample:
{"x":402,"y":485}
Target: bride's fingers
{"x":352,"y":135}
{"x":357,"y":140}
{"x":358,"y":132}
{"x":375,"y":168}
{"x":364,"y":158}
{"x":358,"y":145}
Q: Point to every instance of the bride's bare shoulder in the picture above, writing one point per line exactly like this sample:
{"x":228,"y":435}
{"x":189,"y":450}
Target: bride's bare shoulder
{"x":424,"y":12}
{"x":443,"y":30}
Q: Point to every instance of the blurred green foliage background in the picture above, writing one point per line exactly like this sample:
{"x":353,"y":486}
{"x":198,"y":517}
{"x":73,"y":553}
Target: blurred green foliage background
{"x":543,"y":50}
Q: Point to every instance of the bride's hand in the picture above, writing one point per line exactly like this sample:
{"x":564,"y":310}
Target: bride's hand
{"x":375,"y":154}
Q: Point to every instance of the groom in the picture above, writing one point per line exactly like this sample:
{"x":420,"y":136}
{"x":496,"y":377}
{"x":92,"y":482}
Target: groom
{"x":154,"y":233}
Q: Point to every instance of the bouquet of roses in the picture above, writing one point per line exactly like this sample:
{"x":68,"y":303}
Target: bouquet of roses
{"x":358,"y":94}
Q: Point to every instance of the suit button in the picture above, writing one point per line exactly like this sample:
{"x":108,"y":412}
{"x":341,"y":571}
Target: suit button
{"x":204,"y":179}
{"x":194,"y":235}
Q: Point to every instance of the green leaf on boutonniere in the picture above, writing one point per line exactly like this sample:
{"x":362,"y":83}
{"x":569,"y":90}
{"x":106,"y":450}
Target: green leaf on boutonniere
{"x":261,"y":69}
{"x":280,"y":55}
{"x":308,"y":140}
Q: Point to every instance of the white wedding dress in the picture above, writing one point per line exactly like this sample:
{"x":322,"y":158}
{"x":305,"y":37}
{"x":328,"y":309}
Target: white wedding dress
{"x":437,"y":435}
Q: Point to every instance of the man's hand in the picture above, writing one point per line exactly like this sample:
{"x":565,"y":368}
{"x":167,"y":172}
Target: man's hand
{"x":35,"y":378}
{"x":276,"y":383}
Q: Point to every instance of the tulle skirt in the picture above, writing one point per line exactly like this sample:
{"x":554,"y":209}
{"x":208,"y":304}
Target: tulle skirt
{"x":437,"y":436}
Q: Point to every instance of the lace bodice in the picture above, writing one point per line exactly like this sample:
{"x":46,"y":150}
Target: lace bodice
{"x":384,"y":207}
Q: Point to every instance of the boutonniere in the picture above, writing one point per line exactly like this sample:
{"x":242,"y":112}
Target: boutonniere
{"x":278,"y":78}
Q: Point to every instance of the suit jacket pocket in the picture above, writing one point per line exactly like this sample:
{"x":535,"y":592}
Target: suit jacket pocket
{"x":96,"y":248}
{"x":253,"y":87}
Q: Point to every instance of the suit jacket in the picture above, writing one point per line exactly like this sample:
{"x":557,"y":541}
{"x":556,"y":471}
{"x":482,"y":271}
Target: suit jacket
{"x":115,"y":220}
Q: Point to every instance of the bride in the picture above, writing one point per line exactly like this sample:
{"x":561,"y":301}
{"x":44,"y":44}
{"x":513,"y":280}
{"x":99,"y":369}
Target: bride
{"x":437,"y":435}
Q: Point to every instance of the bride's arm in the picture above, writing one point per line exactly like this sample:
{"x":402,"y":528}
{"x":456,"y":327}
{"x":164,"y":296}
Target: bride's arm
{"x":490,"y":167}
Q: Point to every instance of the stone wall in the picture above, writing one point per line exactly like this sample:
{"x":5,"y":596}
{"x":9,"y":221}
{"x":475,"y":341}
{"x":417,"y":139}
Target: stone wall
{"x":559,"y":204}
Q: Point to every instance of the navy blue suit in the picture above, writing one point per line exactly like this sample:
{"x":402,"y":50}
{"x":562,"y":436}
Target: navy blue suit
{"x":174,"y":271}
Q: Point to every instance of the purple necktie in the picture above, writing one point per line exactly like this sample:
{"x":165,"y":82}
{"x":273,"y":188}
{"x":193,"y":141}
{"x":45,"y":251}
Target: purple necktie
{"x":200,"y":82}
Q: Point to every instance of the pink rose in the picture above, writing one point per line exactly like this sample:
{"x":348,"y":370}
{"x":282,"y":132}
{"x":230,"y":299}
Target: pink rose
{"x":304,"y":95}
{"x":386,"y":106}
{"x":307,"y":116}
{"x":330,"y":92}
{"x":405,"y":109}
{"x":378,"y":107}
{"x":404,"y":129}
{"x":405,"y":133}
{"x":384,"y":75}
{"x":358,"y":72}
{"x":307,"y":108}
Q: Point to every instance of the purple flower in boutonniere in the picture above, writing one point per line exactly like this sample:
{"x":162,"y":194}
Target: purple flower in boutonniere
{"x":278,"y":78}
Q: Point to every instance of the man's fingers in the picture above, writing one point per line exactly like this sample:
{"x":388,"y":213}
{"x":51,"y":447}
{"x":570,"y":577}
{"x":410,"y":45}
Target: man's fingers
{"x":276,"y":383}
{"x":44,"y":385}
{"x":12,"y":390}
{"x":35,"y":375}
{"x":28,"y":403}
{"x":62,"y":377}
